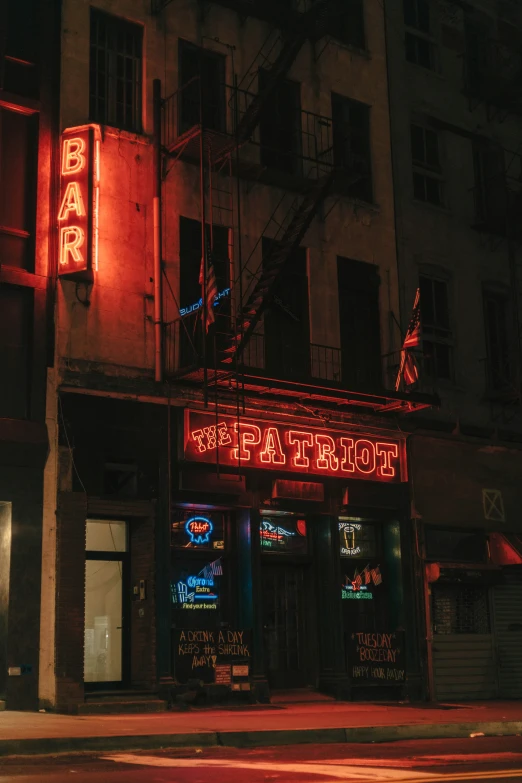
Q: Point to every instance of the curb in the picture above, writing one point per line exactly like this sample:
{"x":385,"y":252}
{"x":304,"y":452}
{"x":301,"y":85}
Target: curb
{"x":257,"y":739}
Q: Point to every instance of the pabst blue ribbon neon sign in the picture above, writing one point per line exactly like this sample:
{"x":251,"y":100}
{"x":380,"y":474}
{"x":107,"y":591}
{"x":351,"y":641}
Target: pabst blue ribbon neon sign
{"x":296,"y":449}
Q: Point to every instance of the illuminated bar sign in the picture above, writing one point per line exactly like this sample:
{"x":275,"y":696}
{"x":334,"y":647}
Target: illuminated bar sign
{"x":79,"y":202}
{"x":292,"y":448}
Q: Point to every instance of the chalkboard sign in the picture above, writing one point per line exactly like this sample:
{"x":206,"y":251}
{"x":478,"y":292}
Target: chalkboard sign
{"x":376,"y":657}
{"x":197,"y":652}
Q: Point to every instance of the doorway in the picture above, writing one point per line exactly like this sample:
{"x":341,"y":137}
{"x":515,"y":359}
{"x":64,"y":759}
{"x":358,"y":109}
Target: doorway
{"x":106,"y":613}
{"x":284,"y":625}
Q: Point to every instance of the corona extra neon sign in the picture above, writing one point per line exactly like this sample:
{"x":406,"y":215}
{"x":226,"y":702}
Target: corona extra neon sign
{"x":78,"y":212}
{"x":274,"y":446}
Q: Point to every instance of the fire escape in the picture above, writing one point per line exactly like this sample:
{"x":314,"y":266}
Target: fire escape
{"x":227,"y":150}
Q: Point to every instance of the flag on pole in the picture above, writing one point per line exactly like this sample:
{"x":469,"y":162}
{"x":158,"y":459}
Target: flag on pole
{"x":408,"y":368}
{"x":211,"y":287}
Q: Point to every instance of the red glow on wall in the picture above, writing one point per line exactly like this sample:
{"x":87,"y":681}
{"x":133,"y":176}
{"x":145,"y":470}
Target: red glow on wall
{"x":78,"y":212}
{"x":273,"y":446}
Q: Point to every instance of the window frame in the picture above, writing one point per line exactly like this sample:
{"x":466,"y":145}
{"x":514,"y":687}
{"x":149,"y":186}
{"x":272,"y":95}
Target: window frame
{"x":502,"y":299}
{"x":119,"y":26}
{"x":345,"y":103}
{"x":424,"y":171}
{"x":437,"y":334}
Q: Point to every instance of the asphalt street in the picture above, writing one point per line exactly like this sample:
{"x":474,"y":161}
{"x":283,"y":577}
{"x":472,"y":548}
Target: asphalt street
{"x":415,"y":761}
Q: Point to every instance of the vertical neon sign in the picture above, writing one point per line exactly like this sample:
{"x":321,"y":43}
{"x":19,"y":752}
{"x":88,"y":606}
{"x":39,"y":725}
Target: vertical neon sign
{"x":78,"y":214}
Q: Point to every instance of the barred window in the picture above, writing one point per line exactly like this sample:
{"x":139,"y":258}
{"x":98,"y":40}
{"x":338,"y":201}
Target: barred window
{"x":115,"y":71}
{"x":460,"y":609}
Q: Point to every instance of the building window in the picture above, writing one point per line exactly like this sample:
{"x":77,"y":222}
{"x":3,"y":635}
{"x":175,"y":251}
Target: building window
{"x":420,"y":49}
{"x":455,"y":546}
{"x":417,"y":14}
{"x":115,"y":71}
{"x":437,"y":335}
{"x":22,"y":39}
{"x":280,"y":126}
{"x":347,"y":26}
{"x":490,"y":190}
{"x":359,"y":324}
{"x":427,"y":171}
{"x":18,"y":165}
{"x":202,"y":74}
{"x":460,"y":608}
{"x":498,"y":356}
{"x":16,"y":310}
{"x":351,"y":143}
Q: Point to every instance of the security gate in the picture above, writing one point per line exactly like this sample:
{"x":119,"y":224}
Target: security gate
{"x":507,"y":603}
{"x":464,"y":665}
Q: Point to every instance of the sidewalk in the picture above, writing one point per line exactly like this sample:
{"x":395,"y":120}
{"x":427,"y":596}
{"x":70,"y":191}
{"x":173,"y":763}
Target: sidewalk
{"x":27,"y":732}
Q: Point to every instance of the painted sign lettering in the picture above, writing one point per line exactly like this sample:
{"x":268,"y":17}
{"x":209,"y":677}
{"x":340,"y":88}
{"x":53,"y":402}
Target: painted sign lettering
{"x":78,"y":212}
{"x":280,"y":447}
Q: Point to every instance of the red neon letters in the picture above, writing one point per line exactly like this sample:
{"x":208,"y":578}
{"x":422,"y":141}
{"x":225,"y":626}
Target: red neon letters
{"x":79,"y":203}
{"x":272,"y":446}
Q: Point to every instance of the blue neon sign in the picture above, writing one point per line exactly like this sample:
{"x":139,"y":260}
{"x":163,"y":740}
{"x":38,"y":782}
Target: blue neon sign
{"x":193,"y":307}
{"x":199,"y":530}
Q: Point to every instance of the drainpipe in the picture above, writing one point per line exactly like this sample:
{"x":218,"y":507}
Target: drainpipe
{"x":156,"y":206}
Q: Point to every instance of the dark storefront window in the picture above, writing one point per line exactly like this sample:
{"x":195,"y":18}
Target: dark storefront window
{"x":364,"y":588}
{"x":199,"y":575}
{"x":456,"y":546}
{"x":283,"y":534}
{"x":16,"y":308}
{"x":115,"y":71}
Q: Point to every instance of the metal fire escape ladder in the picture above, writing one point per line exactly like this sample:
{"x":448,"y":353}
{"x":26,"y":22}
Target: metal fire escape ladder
{"x":273,"y":264}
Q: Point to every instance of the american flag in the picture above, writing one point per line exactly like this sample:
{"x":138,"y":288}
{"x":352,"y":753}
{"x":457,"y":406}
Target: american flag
{"x":212,"y":288}
{"x":376,"y":575}
{"x":212,"y":569}
{"x":408,"y":368}
{"x":367,"y":576}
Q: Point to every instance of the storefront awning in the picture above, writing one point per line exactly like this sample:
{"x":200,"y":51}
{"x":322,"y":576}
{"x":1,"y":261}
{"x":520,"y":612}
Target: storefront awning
{"x":505,"y":548}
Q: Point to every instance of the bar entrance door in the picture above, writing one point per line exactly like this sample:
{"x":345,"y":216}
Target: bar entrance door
{"x":284,"y":624}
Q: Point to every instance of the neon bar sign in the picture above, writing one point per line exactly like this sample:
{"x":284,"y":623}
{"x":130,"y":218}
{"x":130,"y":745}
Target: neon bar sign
{"x":79,"y":202}
{"x":297,"y":449}
{"x":199,"y":530}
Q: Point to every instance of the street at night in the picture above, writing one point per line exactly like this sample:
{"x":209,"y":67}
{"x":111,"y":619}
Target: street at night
{"x":472,"y":759}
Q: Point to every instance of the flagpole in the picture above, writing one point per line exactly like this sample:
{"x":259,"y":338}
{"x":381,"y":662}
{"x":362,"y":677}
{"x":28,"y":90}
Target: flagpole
{"x":203,"y":236}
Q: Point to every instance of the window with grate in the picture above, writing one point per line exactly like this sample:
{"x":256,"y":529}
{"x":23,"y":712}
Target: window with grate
{"x":500,"y":369}
{"x":115,"y":71}
{"x":437,"y":340}
{"x":428,"y":183}
{"x":351,"y":143}
{"x":460,"y":609}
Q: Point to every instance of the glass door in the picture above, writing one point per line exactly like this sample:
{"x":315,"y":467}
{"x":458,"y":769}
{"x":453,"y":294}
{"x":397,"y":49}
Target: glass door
{"x":105,"y":577}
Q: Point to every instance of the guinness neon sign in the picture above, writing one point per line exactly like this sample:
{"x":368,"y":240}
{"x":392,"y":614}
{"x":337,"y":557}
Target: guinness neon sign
{"x":296,"y":449}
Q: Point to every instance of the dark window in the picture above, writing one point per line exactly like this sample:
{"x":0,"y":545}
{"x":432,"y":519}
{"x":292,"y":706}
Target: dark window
{"x":190,"y":290}
{"x":490,"y":190}
{"x":455,"y":546}
{"x":201,"y":72}
{"x":359,"y":324}
{"x":115,"y":71}
{"x":18,"y":162}
{"x":286,"y":322}
{"x":427,"y":176}
{"x":478,"y":50}
{"x":16,"y":308}
{"x":499,"y":360}
{"x":437,"y":335}
{"x":347,"y":26}
{"x":283,"y":534}
{"x":417,"y":14}
{"x":351,"y":143}
{"x":280,"y":126}
{"x":460,"y":608}
{"x":420,"y":51}
{"x":20,"y":72}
